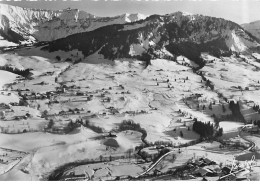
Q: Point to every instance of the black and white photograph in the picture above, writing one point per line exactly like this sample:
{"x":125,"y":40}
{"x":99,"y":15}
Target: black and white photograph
{"x":130,"y":90}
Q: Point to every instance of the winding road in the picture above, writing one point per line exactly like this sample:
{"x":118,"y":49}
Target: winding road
{"x":156,"y":163}
{"x":171,"y":152}
{"x":251,"y":142}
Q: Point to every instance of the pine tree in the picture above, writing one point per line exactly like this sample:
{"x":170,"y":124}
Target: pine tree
{"x":181,"y":133}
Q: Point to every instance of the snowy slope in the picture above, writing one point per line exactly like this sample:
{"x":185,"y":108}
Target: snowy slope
{"x":47,"y":25}
{"x":22,"y":21}
{"x":160,"y":36}
{"x":253,"y":28}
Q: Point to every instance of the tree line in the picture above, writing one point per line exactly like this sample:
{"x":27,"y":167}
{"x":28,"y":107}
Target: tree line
{"x":206,"y":130}
{"x":256,"y":108}
{"x":235,"y":109}
{"x":25,"y":73}
{"x":257,"y":122}
{"x":131,"y":125}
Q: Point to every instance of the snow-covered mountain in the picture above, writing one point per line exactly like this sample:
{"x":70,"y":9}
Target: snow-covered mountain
{"x":162,"y":36}
{"x":253,"y":28}
{"x":127,"y":35}
{"x":29,"y":25}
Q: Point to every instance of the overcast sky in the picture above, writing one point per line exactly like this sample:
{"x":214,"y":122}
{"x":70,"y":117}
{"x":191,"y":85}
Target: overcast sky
{"x":240,"y":11}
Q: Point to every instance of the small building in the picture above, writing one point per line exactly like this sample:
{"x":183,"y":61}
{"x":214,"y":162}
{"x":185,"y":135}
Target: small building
{"x":253,"y":129}
{"x":111,"y":135}
{"x":80,"y":93}
{"x":199,"y":163}
{"x":208,"y":161}
{"x":2,"y":114}
{"x":204,"y":172}
{"x":225,"y":170}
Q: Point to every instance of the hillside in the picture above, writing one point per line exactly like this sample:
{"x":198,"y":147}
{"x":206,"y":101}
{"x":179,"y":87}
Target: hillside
{"x":162,"y":37}
{"x":253,"y":28}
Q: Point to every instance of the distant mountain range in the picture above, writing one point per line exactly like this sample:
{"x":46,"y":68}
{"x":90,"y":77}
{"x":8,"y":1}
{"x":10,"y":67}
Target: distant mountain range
{"x":128,"y":35}
{"x":30,"y":25}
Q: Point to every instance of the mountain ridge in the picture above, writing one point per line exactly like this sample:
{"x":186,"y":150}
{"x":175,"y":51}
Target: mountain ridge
{"x":47,"y":25}
{"x":177,"y":33}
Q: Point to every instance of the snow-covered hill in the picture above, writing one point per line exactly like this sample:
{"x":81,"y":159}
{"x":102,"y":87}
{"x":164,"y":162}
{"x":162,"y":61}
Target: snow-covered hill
{"x":162,"y":37}
{"x":253,"y":28}
{"x":28,"y":25}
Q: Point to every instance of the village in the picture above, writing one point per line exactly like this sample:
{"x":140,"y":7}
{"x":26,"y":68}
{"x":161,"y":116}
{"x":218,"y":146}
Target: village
{"x":130,"y":121}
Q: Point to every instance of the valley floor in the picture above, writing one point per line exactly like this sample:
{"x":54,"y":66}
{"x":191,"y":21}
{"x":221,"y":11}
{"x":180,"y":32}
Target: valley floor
{"x":163,"y":98}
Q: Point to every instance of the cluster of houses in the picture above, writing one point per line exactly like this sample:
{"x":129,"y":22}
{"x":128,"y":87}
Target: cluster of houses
{"x":254,"y":129}
{"x":204,"y":167}
{"x":26,"y":116}
{"x":72,"y":111}
{"x":109,"y":110}
{"x":136,"y":112}
{"x":3,"y":109}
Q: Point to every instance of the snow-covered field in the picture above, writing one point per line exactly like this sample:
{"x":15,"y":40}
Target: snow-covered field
{"x":151,"y":97}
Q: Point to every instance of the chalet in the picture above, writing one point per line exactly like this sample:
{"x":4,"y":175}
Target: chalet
{"x":111,"y":135}
{"x":88,"y":98}
{"x":43,"y":83}
{"x":107,"y":99}
{"x":207,"y":161}
{"x":254,"y":129}
{"x":121,"y":86}
{"x":160,"y":147}
{"x":199,"y":163}
{"x":101,"y":113}
{"x":114,"y":111}
{"x":225,"y":170}
{"x":62,"y":112}
{"x":2,"y":114}
{"x":56,"y":129}
{"x":14,"y":103}
{"x":204,"y":172}
{"x":73,"y":86}
{"x":130,"y":112}
{"x":214,"y":168}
